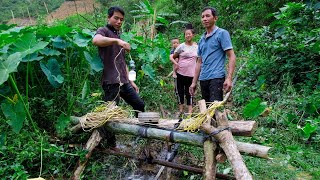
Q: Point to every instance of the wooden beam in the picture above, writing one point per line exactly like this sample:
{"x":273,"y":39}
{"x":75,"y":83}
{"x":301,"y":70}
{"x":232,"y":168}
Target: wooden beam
{"x":209,"y":151}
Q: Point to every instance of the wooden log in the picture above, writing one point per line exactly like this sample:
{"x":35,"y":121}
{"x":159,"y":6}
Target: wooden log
{"x":238,"y":128}
{"x":254,"y":149}
{"x":228,"y":144}
{"x":181,"y":137}
{"x":93,"y":141}
{"x":209,"y":149}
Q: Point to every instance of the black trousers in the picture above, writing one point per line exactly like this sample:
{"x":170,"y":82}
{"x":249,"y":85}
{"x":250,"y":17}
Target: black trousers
{"x":212,"y":89}
{"x":113,"y":92}
{"x":183,"y":84}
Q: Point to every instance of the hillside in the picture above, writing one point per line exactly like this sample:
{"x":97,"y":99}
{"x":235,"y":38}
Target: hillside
{"x":66,"y":9}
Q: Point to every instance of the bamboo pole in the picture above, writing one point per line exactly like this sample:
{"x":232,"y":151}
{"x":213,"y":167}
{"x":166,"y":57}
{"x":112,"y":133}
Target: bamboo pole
{"x":178,"y":137}
{"x":238,"y":128}
{"x":181,"y":137}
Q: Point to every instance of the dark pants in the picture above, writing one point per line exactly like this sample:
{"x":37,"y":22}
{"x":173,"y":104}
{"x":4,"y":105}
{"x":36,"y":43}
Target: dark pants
{"x":212,"y":89}
{"x":113,"y":92}
{"x":183,"y":84}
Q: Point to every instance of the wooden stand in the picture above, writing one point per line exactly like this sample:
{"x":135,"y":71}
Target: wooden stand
{"x":223,"y":134}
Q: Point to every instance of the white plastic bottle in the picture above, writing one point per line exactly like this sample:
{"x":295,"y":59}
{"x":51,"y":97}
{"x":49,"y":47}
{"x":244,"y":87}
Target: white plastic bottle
{"x":132,"y":75}
{"x":132,"y":72}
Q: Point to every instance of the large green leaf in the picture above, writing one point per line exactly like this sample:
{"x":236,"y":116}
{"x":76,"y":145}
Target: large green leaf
{"x":95,"y":62}
{"x":88,"y":32}
{"x":4,"y":49}
{"x":152,"y":54}
{"x":15,"y":113}
{"x":53,"y":72}
{"x":164,"y":56}
{"x":50,"y":52}
{"x":254,"y":108}
{"x":8,"y":66}
{"x":148,"y":70}
{"x":308,"y":129}
{"x":59,"y":42}
{"x":127,"y":36}
{"x":32,"y":57}
{"x":80,"y":40}
{"x":28,"y":44}
{"x":14,"y":29}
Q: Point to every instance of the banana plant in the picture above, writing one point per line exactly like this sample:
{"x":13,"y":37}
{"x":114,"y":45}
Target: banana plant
{"x":149,"y":16}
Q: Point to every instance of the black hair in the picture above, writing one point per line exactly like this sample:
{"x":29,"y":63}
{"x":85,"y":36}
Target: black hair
{"x":189,"y":27}
{"x":213,"y":10}
{"x":115,"y":9}
{"x":174,"y":38}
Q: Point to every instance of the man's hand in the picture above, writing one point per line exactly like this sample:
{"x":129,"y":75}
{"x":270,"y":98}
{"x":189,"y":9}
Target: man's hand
{"x":227,"y":85}
{"x":192,"y":89}
{"x":135,"y":87}
{"x":124,"y":44}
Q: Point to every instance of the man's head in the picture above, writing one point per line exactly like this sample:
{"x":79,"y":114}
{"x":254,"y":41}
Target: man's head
{"x":175,"y":43}
{"x":209,"y":16}
{"x":115,"y":17}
